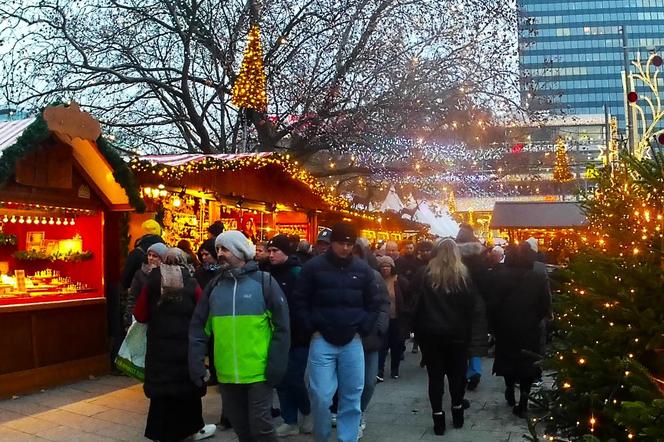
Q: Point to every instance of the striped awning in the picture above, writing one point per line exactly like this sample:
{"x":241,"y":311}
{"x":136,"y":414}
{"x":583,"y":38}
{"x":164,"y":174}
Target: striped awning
{"x":11,"y":130}
{"x":185,"y":158}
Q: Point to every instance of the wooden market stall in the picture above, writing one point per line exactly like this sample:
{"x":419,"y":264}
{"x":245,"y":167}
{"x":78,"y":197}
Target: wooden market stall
{"x":60,"y":206}
{"x":377,"y":227}
{"x":261,"y":194}
{"x":558,"y":226}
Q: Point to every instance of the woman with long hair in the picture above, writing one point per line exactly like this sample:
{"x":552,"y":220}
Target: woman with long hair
{"x":444,"y":307}
{"x":167,"y":304}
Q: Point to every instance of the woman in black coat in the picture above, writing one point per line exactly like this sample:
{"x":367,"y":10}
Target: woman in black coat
{"x":519,"y":301}
{"x":445,"y":303}
{"x":166,"y":304}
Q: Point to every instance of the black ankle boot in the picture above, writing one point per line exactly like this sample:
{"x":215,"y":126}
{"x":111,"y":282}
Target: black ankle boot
{"x":509,"y":396}
{"x":439,"y":424}
{"x":457,"y":417}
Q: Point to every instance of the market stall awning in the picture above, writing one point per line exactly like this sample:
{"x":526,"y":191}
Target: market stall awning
{"x":537,"y":215}
{"x":264,"y":177}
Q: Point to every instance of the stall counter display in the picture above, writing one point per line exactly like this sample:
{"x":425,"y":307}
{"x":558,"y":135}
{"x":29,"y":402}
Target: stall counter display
{"x":48,"y":260}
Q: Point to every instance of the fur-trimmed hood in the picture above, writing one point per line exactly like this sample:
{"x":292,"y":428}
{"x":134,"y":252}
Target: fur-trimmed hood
{"x":470,"y":249}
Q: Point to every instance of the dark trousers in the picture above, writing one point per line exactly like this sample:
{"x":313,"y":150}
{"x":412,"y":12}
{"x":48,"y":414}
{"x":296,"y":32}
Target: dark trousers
{"x":525,"y":384}
{"x":248,"y":408}
{"x":393,"y":344}
{"x":444,"y":359}
{"x":293,"y":395}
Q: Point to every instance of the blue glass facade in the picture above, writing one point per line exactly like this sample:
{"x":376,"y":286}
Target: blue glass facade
{"x":571,"y":53}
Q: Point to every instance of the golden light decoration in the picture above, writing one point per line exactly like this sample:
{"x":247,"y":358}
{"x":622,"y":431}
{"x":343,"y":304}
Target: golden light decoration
{"x":561,"y":168}
{"x":249,"y":89}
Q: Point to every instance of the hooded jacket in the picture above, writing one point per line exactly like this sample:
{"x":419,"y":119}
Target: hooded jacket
{"x":286,"y":275}
{"x":337,"y":297}
{"x":137,"y":257}
{"x":246,"y":312}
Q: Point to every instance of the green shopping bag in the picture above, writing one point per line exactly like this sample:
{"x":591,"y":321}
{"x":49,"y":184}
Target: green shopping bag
{"x":131,"y":357}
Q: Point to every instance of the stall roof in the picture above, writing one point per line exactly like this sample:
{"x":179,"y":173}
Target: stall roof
{"x":262,"y":176}
{"x":82,"y":132}
{"x":537,"y":215}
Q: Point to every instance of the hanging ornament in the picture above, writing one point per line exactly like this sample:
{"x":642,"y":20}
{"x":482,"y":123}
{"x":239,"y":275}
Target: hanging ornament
{"x":657,"y":61}
{"x":632,"y":97}
{"x":249,"y":90}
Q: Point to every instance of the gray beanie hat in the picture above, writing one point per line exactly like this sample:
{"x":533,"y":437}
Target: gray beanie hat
{"x":159,"y":249}
{"x":237,"y":243}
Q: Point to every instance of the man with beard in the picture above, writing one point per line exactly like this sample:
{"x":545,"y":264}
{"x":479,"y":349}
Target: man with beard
{"x":246,"y":312}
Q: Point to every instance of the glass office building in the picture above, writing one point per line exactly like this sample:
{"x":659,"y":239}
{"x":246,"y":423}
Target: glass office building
{"x":571,"y":52}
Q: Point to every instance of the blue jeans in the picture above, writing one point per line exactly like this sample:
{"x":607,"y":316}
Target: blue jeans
{"x":474,"y":367}
{"x":370,"y":372}
{"x":292,"y":391}
{"x":332,"y":367}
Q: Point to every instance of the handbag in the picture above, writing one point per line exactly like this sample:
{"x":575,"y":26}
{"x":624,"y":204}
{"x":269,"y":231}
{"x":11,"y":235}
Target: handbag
{"x":131,"y":357}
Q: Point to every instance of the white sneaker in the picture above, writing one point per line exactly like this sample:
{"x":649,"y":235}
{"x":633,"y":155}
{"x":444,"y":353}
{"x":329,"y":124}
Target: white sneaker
{"x":363,"y":423}
{"x":360,"y":433}
{"x":285,"y":430}
{"x":334,"y":420}
{"x":206,"y":431}
{"x":306,"y":423}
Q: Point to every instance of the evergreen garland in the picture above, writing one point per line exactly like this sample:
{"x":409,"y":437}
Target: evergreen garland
{"x":122,"y":174}
{"x":7,"y":239}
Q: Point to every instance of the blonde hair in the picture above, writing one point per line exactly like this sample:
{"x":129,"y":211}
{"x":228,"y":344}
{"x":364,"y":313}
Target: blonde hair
{"x":446,"y":270}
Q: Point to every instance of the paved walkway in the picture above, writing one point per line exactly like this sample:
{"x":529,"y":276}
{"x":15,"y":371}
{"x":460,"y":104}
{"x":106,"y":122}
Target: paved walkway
{"x":114,"y":409}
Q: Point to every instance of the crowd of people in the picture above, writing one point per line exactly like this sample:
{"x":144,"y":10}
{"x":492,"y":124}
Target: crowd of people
{"x":317,"y":325}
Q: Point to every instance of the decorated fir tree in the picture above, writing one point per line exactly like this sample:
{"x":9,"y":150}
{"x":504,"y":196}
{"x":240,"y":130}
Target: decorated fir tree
{"x":608,"y":361}
{"x":561,"y":169}
{"x":249,"y":89}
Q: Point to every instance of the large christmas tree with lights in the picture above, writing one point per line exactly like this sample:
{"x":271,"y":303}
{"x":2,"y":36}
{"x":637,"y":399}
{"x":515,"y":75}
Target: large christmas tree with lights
{"x":249,"y":89}
{"x":561,"y":169}
{"x":608,"y":361}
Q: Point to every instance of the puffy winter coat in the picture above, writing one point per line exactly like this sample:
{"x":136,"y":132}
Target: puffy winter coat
{"x":166,"y":361}
{"x":374,"y":340}
{"x":337,"y":297}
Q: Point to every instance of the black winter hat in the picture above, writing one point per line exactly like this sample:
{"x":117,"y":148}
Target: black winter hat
{"x":208,"y":245}
{"x":343,"y":232}
{"x":216,"y":228}
{"x":281,"y":242}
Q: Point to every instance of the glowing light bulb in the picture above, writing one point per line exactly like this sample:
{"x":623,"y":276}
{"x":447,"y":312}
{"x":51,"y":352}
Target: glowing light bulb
{"x":72,"y":222}
{"x":43,"y":220}
{"x":5,"y":219}
{"x":51,"y":221}
{"x":65,"y":222}
{"x":177,"y":202}
{"x":21,"y":220}
{"x":13,"y":219}
{"x":28,"y":220}
{"x":58,"y":221}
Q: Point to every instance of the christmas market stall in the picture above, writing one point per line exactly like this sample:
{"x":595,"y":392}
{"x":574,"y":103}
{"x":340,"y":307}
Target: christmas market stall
{"x":559,"y":227}
{"x":261,"y":194}
{"x":63,"y":191}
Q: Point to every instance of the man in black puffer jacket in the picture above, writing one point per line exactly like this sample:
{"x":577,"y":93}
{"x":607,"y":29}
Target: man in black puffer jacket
{"x":337,"y":299}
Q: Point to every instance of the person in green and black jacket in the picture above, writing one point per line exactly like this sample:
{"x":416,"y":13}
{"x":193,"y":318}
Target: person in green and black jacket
{"x":247,"y":313}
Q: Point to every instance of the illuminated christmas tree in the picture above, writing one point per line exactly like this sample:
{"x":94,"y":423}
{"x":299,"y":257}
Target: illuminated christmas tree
{"x":249,"y":90}
{"x":451,"y":203}
{"x":561,"y":169}
{"x":608,"y":360}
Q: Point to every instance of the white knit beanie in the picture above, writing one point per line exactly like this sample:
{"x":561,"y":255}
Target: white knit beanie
{"x":532,"y":242}
{"x":237,"y":243}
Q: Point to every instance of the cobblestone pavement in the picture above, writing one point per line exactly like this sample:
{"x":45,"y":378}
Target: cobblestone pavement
{"x":114,"y":408}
